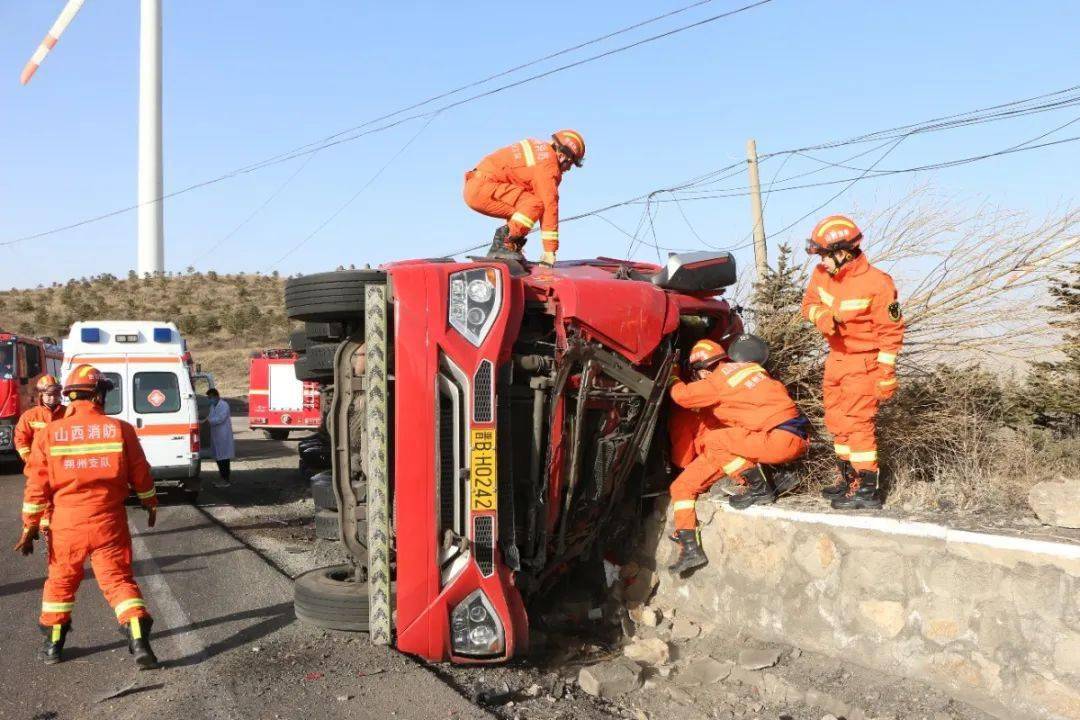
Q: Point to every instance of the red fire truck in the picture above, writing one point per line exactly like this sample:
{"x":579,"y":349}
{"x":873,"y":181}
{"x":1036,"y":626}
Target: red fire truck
{"x":22,"y":361}
{"x":277,"y":402}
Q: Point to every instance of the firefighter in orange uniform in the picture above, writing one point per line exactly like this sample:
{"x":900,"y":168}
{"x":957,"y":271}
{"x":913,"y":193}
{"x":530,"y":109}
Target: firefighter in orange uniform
{"x":855,"y":307}
{"x":756,"y":423}
{"x":84,"y":466}
{"x":35,"y":419}
{"x":520,"y":183}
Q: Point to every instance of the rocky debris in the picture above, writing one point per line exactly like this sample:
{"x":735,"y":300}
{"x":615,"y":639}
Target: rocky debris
{"x":703,"y":671}
{"x":643,"y":614}
{"x":751,"y":659}
{"x":1056,"y":503}
{"x":639,"y":587}
{"x":611,"y":678}
{"x":649,"y":651}
{"x":683,"y":629}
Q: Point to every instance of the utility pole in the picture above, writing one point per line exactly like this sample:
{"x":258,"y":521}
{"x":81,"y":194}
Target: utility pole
{"x":151,"y":243}
{"x":761,"y":257}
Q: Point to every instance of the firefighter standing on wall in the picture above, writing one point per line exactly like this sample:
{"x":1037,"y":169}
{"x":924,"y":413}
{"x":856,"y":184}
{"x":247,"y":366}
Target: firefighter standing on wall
{"x":756,"y":422}
{"x":520,"y":183}
{"x":854,"y":305}
{"x":84,"y":466}
{"x":35,"y":419}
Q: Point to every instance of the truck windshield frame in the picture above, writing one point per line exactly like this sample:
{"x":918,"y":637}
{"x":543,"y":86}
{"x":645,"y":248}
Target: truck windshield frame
{"x":7,"y":360}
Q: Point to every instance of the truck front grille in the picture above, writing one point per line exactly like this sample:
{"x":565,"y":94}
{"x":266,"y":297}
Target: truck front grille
{"x":450,"y":447}
{"x":482,"y":399}
{"x":484,"y":543}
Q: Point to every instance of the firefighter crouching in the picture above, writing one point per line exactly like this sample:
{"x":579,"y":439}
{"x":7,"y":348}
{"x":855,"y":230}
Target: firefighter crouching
{"x":520,"y":183}
{"x":854,"y":305}
{"x":36,"y":418}
{"x":748,"y":420}
{"x":84,"y":465}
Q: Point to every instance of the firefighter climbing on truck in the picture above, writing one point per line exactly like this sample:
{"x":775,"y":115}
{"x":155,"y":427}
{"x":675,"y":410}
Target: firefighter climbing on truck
{"x":84,"y":466}
{"x":854,"y":305}
{"x":747,"y":420}
{"x":520,"y":183}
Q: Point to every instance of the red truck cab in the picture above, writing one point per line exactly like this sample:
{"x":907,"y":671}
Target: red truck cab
{"x":23,"y":360}
{"x":512,"y":415}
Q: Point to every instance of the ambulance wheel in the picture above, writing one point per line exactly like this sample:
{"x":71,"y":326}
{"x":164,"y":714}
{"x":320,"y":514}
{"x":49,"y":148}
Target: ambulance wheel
{"x":277,"y":434}
{"x":330,"y":598}
{"x":329,"y":296}
{"x":326,"y":524}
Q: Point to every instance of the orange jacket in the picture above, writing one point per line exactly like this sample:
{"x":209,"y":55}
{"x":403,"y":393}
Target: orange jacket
{"x":533,"y":165}
{"x":84,"y":465}
{"x":862,"y":299}
{"x":739,"y":395}
{"x":30,"y":422}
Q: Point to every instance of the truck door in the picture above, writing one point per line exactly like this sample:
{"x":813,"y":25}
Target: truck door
{"x":163,"y":411}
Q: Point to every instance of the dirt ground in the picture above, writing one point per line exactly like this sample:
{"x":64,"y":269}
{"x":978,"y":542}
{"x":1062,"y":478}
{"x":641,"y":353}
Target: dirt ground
{"x":268,"y":507}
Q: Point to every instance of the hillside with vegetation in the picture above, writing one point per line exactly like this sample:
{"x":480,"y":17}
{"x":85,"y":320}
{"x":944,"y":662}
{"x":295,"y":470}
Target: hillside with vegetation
{"x":223,"y":317}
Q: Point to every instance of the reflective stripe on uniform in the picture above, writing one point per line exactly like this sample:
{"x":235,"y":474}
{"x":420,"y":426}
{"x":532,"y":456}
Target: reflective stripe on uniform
{"x":126,"y":605}
{"x":684,"y":505}
{"x":886,"y":383}
{"x":89,"y":449}
{"x":522,"y":219}
{"x":57,"y":607}
{"x":815,"y":311}
{"x":31,"y":508}
{"x":886,"y":358}
{"x":146,"y":495}
{"x":549,"y":235}
{"x":37,"y":424}
{"x":864,"y":457}
{"x":746,"y":372}
{"x":44,"y":524}
{"x":735,"y":465}
{"x":527,"y":151}
{"x":24,"y":451}
{"x":826,"y":297}
{"x":842,"y":450}
{"x":855,"y":304}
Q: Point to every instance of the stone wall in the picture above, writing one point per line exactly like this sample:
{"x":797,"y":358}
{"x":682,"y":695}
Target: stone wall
{"x":992,"y":620}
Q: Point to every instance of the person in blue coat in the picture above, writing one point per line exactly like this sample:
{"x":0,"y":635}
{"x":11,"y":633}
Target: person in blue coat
{"x":221,"y":436}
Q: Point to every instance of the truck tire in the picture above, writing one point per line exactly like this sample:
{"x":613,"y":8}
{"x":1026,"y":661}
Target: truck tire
{"x":298,"y":341}
{"x":322,"y":491}
{"x":327,"y":526}
{"x":324,"y":331}
{"x":328,"y":598}
{"x":305,"y":373}
{"x":329,"y":296}
{"x":320,"y":357}
{"x":277,"y":434}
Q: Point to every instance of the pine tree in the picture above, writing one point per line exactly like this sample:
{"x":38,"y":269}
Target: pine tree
{"x":1054,"y":385}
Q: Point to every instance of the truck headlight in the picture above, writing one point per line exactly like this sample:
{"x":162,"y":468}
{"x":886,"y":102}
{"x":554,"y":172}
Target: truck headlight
{"x":475,"y":627}
{"x":6,"y":435}
{"x":475,"y":299}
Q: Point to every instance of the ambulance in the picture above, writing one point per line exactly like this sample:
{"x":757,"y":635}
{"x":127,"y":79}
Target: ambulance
{"x":150,"y":367}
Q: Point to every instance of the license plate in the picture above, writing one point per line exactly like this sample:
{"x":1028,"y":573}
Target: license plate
{"x":483,"y":477}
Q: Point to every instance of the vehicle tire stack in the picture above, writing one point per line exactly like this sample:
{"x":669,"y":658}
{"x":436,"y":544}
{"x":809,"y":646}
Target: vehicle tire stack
{"x":327,"y":525}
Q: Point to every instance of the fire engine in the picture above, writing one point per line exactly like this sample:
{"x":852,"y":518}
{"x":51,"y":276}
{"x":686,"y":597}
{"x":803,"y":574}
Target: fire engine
{"x":23,"y":360}
{"x":277,"y":401}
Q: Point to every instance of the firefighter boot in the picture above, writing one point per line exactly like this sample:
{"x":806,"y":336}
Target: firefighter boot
{"x":863,"y":494}
{"x":691,"y":556}
{"x":759,"y":489}
{"x":506,"y":247}
{"x":137,"y":631}
{"x":843,"y":482}
{"x":55,"y":637}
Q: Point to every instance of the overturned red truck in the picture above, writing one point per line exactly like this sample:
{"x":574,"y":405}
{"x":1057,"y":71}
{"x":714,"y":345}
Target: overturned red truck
{"x":492,"y":423}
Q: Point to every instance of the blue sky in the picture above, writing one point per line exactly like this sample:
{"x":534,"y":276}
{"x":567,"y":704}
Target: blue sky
{"x":245,"y":80}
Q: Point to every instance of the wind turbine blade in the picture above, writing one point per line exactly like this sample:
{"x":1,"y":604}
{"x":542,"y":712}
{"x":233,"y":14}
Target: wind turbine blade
{"x":57,"y":29}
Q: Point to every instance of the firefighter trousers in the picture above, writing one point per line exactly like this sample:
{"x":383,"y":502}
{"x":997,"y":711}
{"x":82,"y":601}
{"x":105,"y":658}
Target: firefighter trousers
{"x":729,"y":451}
{"x":851,"y":406}
{"x":513,"y":203}
{"x":106,"y":542}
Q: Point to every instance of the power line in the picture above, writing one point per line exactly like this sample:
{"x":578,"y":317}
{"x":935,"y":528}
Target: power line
{"x":337,"y":139}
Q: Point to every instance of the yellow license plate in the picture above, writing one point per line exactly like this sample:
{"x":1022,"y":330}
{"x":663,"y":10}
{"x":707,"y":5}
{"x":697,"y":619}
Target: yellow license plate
{"x":483,"y":476}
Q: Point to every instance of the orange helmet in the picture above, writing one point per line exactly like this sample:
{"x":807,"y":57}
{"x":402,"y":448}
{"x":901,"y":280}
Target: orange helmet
{"x":86,"y":381}
{"x":705,"y":354}
{"x":836,"y":232}
{"x":571,"y":144}
{"x":46,"y":382}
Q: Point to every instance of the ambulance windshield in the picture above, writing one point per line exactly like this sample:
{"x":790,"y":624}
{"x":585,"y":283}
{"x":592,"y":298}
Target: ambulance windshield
{"x":7,"y":360}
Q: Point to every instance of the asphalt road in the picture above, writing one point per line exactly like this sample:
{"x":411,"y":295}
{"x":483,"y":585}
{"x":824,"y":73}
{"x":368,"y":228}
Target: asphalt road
{"x":224,"y":629}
